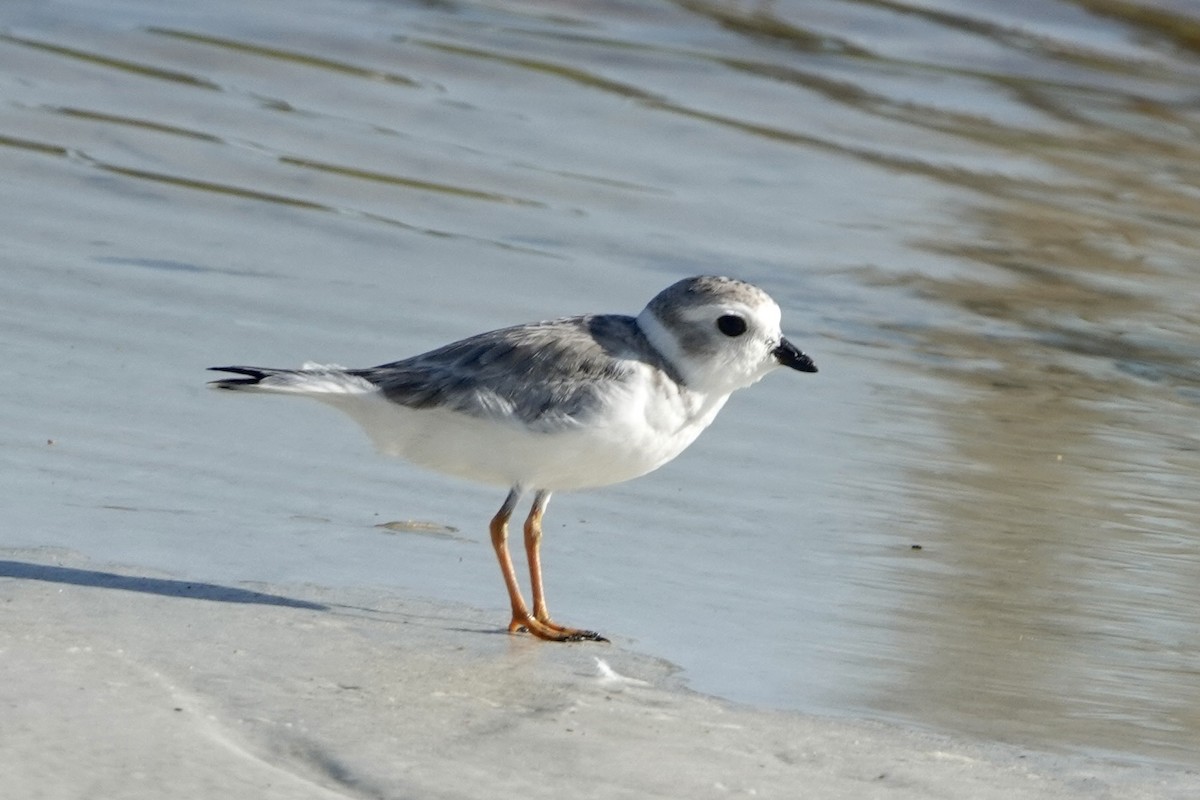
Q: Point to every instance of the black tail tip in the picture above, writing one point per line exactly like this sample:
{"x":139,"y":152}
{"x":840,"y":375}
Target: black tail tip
{"x":253,"y":376}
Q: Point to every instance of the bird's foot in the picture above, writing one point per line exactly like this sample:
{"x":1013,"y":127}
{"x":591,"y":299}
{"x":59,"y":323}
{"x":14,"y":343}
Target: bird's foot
{"x":551,"y":631}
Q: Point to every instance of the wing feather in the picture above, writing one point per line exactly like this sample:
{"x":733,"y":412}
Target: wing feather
{"x":549,"y":375}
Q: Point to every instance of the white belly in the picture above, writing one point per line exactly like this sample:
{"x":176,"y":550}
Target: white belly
{"x":643,"y":432}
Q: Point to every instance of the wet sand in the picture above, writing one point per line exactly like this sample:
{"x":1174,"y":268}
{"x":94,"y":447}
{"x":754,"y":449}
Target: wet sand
{"x":979,"y":219}
{"x":121,"y":684}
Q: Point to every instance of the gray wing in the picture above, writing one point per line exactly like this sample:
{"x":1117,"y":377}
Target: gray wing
{"x":549,"y":375}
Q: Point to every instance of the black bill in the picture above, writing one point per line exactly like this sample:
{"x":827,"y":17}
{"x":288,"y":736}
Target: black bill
{"x":788,"y":355}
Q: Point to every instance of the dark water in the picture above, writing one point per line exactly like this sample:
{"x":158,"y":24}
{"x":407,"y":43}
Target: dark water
{"x":982,"y":516}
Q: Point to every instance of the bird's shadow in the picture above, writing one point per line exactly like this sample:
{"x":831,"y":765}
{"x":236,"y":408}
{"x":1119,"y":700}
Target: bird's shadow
{"x":165,"y":587}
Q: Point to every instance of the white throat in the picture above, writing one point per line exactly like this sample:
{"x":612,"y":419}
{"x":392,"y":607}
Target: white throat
{"x":666,"y":344}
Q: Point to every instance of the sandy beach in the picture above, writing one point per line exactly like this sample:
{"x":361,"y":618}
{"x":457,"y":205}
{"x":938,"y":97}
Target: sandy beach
{"x":124,"y":685}
{"x":961,"y":561}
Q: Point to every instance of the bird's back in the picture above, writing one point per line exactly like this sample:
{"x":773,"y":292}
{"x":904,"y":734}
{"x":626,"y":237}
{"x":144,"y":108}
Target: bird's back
{"x":547,"y":376}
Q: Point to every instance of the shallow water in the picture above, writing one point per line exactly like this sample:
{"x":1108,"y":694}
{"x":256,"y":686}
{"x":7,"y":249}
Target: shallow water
{"x":979,"y":218}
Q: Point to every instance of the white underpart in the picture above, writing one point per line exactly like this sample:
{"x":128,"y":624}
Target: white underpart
{"x":641,"y":428}
{"x":645,"y":420}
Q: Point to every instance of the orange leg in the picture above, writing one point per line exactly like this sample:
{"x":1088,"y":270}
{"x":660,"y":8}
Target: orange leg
{"x":533,"y":553}
{"x":537,"y":624}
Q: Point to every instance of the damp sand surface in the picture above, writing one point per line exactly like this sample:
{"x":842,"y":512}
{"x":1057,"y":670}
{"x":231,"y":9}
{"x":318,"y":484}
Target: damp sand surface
{"x":977,"y":521}
{"x":124,"y":684}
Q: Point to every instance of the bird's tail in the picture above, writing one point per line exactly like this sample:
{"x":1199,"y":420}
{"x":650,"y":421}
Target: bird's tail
{"x":311,"y":379}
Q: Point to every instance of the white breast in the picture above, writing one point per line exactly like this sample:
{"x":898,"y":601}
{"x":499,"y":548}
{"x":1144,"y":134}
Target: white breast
{"x":645,"y":422}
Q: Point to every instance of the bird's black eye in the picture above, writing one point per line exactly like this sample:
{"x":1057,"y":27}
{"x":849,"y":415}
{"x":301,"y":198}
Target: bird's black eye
{"x":731,"y":325}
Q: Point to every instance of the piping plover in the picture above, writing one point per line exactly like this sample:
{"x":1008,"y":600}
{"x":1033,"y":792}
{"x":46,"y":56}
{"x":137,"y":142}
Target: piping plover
{"x":566,"y":404}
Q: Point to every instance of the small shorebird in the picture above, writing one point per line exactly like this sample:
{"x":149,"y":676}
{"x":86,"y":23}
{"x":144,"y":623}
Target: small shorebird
{"x":566,"y":404}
